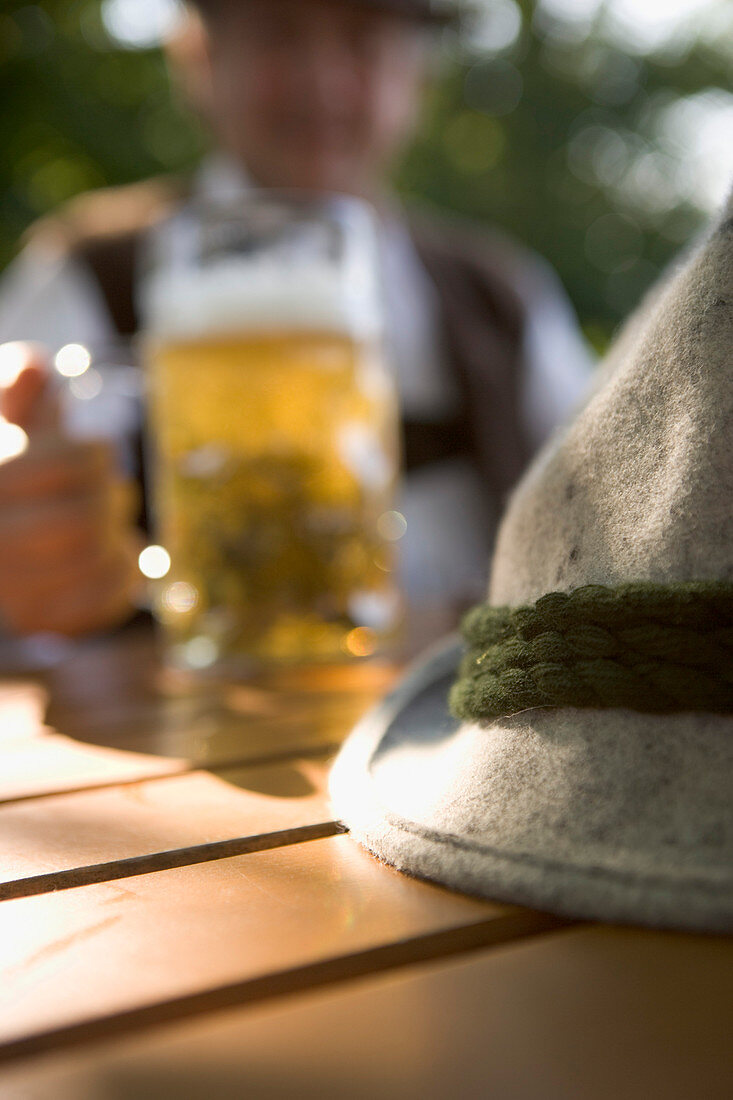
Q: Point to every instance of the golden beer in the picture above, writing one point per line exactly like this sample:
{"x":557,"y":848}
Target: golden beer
{"x":276,"y":460}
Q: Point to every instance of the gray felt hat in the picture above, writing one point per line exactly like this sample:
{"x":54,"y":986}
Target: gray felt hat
{"x":607,"y":811}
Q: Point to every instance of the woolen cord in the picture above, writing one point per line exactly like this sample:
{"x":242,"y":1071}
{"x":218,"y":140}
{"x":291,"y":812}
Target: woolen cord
{"x":654,"y":648}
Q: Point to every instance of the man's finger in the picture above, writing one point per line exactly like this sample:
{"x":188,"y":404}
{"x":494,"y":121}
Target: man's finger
{"x":102,"y":594}
{"x":54,"y":468}
{"x":27,"y":395}
{"x":36,"y":536}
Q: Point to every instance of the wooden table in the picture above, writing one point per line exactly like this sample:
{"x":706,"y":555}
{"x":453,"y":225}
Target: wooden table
{"x":181,"y":917}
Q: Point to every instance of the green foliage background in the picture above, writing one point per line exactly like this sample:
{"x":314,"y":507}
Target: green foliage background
{"x":540,"y":137}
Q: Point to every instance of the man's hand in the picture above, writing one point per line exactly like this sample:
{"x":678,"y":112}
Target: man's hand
{"x":68,"y":547}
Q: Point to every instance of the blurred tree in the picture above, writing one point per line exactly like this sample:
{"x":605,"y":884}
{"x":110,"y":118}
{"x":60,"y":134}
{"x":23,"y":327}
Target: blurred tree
{"x":79,"y":111}
{"x":596,"y":141}
{"x":548,"y":127}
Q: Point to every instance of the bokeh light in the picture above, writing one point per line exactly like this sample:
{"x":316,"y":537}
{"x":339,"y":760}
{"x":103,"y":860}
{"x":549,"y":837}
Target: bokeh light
{"x":361,"y":642}
{"x":392,"y":526}
{"x":140,"y":24}
{"x":72,"y":360}
{"x":376,"y":609}
{"x":200,"y":652}
{"x":154,"y":562}
{"x":13,"y":357}
{"x":180,"y":597}
{"x":13,"y":441}
{"x":384,"y":559}
{"x":494,"y":27}
{"x":613,"y":243}
{"x":88,"y":386}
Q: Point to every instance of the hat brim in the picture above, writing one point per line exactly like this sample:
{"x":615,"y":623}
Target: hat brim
{"x":609,"y":815}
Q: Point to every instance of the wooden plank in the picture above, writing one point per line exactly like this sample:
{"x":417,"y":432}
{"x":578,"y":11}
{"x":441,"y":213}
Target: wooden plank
{"x":50,"y":763}
{"x":593,"y":1012}
{"x":132,"y":737}
{"x":116,"y":693}
{"x":107,"y":703}
{"x":22,"y":707}
{"x":239,"y":726}
{"x":181,"y":940}
{"x":42,"y":840}
{"x":171,"y":743}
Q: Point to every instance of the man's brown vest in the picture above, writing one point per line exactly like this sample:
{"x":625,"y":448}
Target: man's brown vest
{"x":482,"y":320}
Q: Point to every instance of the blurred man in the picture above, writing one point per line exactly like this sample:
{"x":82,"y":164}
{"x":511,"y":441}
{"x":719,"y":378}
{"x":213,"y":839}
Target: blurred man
{"x":324,"y":95}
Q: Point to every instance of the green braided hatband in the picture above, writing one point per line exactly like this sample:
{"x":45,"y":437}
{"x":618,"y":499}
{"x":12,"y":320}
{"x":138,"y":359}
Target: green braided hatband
{"x":657,"y":648}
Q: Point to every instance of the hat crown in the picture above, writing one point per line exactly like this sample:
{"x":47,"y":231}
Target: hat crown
{"x":640,"y":487}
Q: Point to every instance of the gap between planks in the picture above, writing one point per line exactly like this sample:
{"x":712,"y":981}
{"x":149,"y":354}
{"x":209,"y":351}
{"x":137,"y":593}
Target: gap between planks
{"x":165,"y":861}
{"x":431,"y":947}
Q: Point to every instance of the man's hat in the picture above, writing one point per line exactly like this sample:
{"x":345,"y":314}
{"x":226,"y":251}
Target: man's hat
{"x":423,"y":11}
{"x":585,"y":765}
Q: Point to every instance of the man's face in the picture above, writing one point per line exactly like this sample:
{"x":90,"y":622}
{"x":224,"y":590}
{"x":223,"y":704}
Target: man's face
{"x":314,"y":94}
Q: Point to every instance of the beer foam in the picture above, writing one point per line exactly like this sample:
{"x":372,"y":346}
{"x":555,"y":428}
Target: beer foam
{"x":234,"y":296}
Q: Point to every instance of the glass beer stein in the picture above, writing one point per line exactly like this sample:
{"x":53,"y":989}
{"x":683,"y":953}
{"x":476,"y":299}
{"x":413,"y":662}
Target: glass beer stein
{"x":274,"y":434}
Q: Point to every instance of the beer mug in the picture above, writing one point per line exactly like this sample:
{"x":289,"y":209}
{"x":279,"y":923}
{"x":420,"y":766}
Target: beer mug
{"x":274,"y":434}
